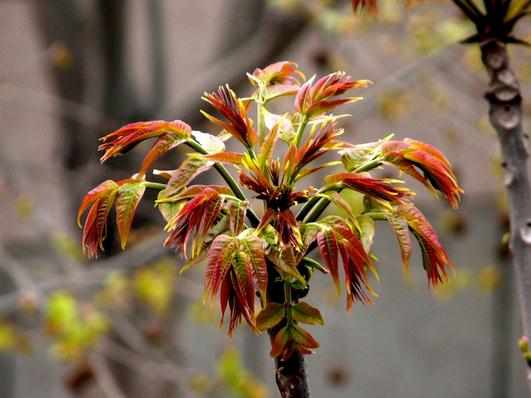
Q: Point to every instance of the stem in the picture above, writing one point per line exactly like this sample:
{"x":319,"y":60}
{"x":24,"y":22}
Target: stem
{"x":261,"y":119}
{"x":290,"y":375}
{"x":300,"y":130}
{"x":505,"y":112}
{"x":233,"y":185}
{"x":155,"y":185}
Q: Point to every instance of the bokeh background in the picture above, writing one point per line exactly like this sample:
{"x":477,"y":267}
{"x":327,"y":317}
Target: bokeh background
{"x":72,"y":70}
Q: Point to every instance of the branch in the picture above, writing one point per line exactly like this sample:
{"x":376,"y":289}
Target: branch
{"x":104,"y":376}
{"x":159,"y":370}
{"x":505,"y":112}
{"x":138,"y":256}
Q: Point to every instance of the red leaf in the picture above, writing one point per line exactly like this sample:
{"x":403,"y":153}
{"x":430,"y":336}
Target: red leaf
{"x":410,"y":155}
{"x":337,"y":239}
{"x":292,"y":338}
{"x":218,"y":264}
{"x":253,"y":246}
{"x":238,"y":124}
{"x":278,"y":73}
{"x":98,"y":192}
{"x":280,"y":343}
{"x":314,"y":99}
{"x":237,"y":212}
{"x":378,"y":188}
{"x":434,"y":256}
{"x":190,"y":168}
{"x":328,"y":245}
{"x":226,"y":157}
{"x":127,"y":200}
{"x":193,"y":221}
{"x":123,"y":139}
{"x":100,"y":200}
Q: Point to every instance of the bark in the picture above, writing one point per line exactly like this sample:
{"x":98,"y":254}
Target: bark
{"x":290,"y":375}
{"x":505,"y":112}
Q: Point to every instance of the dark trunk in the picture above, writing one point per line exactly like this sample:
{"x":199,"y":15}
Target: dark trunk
{"x":505,"y":112}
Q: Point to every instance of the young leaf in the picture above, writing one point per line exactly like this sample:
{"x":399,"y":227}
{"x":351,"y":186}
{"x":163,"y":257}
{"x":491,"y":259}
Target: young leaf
{"x":280,"y":343}
{"x":378,"y":188}
{"x":305,"y":313}
{"x":367,"y":229}
{"x":190,"y":168}
{"x":100,"y":201}
{"x":434,"y":256}
{"x":270,"y":316}
{"x":401,"y":229}
{"x":193,"y":221}
{"x":234,"y":158}
{"x":254,"y":248}
{"x":238,"y":124}
{"x":410,"y":155}
{"x":123,"y":139}
{"x":127,"y":200}
{"x":237,"y":212}
{"x":218,"y":264}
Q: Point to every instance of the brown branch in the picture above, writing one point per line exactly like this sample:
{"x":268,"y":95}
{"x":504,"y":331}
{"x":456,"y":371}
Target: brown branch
{"x":157,"y":370}
{"x":104,"y":376}
{"x":138,"y":256}
{"x":505,"y":112}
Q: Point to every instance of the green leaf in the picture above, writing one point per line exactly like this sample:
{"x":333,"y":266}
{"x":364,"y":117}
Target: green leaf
{"x":127,"y":199}
{"x":270,"y":316}
{"x":169,"y":209}
{"x":366,"y":228}
{"x":305,"y":313}
{"x":401,"y":230}
{"x":279,"y":342}
{"x":309,"y":262}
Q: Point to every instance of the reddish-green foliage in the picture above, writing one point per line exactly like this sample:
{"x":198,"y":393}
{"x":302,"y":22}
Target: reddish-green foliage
{"x":265,"y":247}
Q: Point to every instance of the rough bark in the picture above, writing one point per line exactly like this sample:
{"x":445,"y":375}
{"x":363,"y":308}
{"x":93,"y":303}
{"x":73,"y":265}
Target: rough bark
{"x":505,"y":112}
{"x":290,"y":375}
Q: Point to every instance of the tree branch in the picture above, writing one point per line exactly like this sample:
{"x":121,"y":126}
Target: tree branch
{"x":505,"y":112}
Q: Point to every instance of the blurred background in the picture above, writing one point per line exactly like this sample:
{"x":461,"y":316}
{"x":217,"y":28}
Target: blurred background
{"x":128,"y":325}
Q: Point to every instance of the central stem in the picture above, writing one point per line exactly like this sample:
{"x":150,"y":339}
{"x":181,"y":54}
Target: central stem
{"x":290,"y":375}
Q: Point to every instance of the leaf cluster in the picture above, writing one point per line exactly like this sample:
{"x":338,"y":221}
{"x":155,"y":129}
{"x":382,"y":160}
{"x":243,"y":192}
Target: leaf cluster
{"x":257,"y":231}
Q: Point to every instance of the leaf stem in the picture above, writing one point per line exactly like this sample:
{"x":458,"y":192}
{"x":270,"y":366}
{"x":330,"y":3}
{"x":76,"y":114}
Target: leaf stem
{"x":155,"y":185}
{"x":300,"y":130}
{"x":261,"y":119}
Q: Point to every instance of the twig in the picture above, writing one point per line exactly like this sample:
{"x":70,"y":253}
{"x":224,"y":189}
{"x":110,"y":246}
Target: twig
{"x":145,"y":253}
{"x":160,"y":370}
{"x":104,"y":376}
